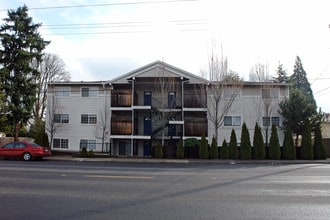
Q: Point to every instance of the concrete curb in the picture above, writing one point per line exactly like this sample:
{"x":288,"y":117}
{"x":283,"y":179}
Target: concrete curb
{"x":185,"y":161}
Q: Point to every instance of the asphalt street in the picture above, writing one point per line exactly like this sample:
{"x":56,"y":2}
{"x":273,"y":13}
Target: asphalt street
{"x":108,"y":190}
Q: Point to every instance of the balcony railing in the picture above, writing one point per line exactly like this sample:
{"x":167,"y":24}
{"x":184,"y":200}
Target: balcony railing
{"x":121,"y":125}
{"x":195,"y":127}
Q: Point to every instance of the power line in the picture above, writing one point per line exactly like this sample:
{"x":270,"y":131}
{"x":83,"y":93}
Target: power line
{"x":106,"y":4}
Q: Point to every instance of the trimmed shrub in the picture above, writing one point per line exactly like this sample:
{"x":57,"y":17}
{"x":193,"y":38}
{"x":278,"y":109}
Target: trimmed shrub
{"x":258,"y":144}
{"x":179,"y":150}
{"x":214,"y":152}
{"x":83,"y":152}
{"x":191,"y":142}
{"x":246,"y":150}
{"x":224,"y":151}
{"x":159,"y":151}
{"x":319,"y":149}
{"x":274,"y":145}
{"x":233,"y":150}
{"x":306,"y":150}
{"x":288,"y":151}
{"x":90,"y":153}
{"x":203,"y":149}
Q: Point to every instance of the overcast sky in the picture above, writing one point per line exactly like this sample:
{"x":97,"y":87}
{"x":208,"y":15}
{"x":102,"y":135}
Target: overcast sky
{"x":100,"y":40}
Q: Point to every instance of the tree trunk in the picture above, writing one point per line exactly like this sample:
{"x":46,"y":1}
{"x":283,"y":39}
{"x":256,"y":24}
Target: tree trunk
{"x":16,"y":131}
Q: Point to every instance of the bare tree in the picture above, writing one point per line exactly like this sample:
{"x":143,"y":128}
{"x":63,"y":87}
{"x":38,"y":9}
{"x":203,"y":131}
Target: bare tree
{"x":267,"y":104}
{"x":222,"y":91}
{"x":52,"y":68}
{"x":52,"y":126}
{"x":167,"y":85}
{"x":102,"y":128}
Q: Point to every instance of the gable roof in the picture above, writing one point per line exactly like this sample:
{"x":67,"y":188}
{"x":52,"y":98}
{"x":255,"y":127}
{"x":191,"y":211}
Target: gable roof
{"x":147,"y":69}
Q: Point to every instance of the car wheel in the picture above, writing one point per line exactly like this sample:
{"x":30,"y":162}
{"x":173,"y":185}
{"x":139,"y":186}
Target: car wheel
{"x":26,"y":156}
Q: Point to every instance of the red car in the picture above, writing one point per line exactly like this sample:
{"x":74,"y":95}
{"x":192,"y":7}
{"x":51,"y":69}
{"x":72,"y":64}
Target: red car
{"x":25,"y":150}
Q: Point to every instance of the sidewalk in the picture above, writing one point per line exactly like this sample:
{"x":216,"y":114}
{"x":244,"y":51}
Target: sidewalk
{"x":182,"y":161}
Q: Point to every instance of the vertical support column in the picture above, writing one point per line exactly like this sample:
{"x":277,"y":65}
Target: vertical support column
{"x":133,"y":121}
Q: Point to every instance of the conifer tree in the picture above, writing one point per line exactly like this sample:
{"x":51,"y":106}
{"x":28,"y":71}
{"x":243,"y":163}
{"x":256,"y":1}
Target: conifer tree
{"x":258,"y":144}
{"x":3,"y":118}
{"x":224,"y":152}
{"x":282,"y":76}
{"x":180,"y":150}
{"x":203,"y":149}
{"x":21,"y":44}
{"x":306,"y":149}
{"x":289,"y":150}
{"x":319,"y":149}
{"x":159,"y":151}
{"x":300,"y":82}
{"x":274,"y":145}
{"x":233,"y":150}
{"x":214,"y":152}
{"x":246,"y":150}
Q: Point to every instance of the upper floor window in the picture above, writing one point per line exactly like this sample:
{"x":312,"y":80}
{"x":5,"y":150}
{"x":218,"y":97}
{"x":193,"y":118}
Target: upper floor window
{"x":62,"y":91}
{"x":232,"y":121}
{"x":272,"y":93}
{"x":88,"y":119}
{"x":269,"y":121}
{"x":88,"y":92}
{"x":61,"y":118}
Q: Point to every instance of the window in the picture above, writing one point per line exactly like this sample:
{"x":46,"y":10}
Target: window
{"x":61,"y":143}
{"x":62,"y":91}
{"x":61,"y":118}
{"x":232,"y":121}
{"x":88,"y":119}
{"x":88,"y":144}
{"x":270,"y":93}
{"x":269,"y":121}
{"x":88,"y":92}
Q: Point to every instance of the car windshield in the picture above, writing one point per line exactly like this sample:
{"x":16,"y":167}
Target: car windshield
{"x":35,"y":145}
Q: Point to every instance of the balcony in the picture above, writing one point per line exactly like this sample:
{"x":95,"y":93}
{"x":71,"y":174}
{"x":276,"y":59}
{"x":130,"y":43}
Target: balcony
{"x":193,"y":101}
{"x":195,"y":127}
{"x":121,"y":126}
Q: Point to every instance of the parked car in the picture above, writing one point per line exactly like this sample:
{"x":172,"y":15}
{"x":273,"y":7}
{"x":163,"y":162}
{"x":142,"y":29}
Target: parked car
{"x":24,"y":150}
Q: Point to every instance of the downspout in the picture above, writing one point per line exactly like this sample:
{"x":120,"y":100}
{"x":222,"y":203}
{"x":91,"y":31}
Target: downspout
{"x":133,"y":88}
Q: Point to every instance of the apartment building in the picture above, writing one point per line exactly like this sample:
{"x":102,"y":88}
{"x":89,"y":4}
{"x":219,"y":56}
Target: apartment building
{"x":155,"y":103}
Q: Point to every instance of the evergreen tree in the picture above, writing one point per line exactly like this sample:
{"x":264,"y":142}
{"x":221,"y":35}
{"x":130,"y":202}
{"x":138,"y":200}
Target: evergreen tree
{"x":37,"y":132}
{"x":246,"y":150}
{"x":224,"y":152}
{"x":179,"y":150}
{"x":203,"y":149}
{"x":159,"y":151}
{"x":295,"y":110}
{"x":3,"y":110}
{"x":258,"y":144}
{"x":289,"y":150}
{"x":233,"y":150}
{"x":274,"y":145}
{"x":306,"y":149}
{"x":21,"y":44}
{"x":319,"y":149}
{"x":300,"y":82}
{"x":214,"y":152}
{"x":282,"y":76}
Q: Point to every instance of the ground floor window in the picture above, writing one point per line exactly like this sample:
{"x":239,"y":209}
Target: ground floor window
{"x":61,"y":143}
{"x":88,"y":144}
{"x":269,"y":121}
{"x":232,"y":121}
